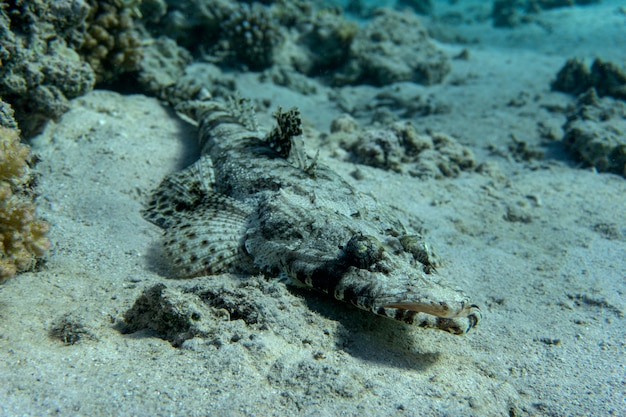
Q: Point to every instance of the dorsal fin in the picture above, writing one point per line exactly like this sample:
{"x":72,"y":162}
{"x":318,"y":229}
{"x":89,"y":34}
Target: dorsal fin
{"x":281,"y":137}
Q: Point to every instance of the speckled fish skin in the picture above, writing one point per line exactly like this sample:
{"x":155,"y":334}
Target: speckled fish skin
{"x":256,"y":202}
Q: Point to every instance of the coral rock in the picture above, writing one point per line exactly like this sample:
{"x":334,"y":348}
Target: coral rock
{"x":40,"y":71}
{"x":595,"y":132}
{"x":400,"y":148}
{"x":250,"y":36}
{"x":22,"y":235}
{"x":111,"y":45}
{"x":607,"y":78}
{"x":394,"y":47}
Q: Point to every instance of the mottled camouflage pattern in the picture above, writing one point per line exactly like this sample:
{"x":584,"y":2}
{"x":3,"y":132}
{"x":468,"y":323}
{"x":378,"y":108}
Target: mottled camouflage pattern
{"x":256,"y":202}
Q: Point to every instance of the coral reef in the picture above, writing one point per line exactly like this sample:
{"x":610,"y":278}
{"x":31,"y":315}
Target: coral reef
{"x":401,"y":148}
{"x":393,"y":47}
{"x":249,"y":36}
{"x":195,"y":24}
{"x":151,"y":11}
{"x":594,"y":132}
{"x":162,"y":65}
{"x":225,"y":31}
{"x":292,"y":13}
{"x":53,"y":51}
{"x":7,"y":116}
{"x":22,"y":235}
{"x":606,"y":77}
{"x":112,"y":43}
{"x":327,"y":41}
{"x":40,"y":70}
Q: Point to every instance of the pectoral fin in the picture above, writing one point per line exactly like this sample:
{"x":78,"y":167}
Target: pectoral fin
{"x":180,"y":193}
{"x":208,"y":239}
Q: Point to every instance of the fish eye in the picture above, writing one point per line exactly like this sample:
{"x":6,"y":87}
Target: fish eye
{"x":363,"y":251}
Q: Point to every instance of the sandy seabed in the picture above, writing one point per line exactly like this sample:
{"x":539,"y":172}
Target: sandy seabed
{"x":539,"y":244}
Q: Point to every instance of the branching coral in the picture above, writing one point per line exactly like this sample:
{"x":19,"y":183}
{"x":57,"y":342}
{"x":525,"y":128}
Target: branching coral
{"x":22,"y":235}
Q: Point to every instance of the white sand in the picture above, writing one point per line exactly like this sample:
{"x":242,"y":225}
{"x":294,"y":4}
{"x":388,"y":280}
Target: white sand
{"x":552,"y":290}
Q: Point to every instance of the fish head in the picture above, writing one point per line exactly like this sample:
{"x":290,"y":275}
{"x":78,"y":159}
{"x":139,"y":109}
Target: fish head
{"x":392,"y":284}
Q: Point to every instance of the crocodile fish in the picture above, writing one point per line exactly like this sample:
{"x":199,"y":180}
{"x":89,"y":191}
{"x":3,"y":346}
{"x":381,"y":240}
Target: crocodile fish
{"x":256,"y":202}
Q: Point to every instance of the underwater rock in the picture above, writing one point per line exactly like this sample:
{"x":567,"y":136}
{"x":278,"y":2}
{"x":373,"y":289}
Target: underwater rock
{"x":316,"y":379}
{"x":507,"y":13}
{"x":536,"y":5}
{"x":162,"y":65}
{"x":198,"y":80}
{"x":607,"y":78}
{"x":152,"y":11}
{"x":327,"y":41}
{"x":393,"y":47}
{"x":174,"y":315}
{"x":288,"y":77}
{"x":420,"y":6}
{"x":409,"y":105}
{"x":195,"y":24}
{"x":7,"y":116}
{"x":40,"y":70}
{"x":220,"y":312}
{"x":399,"y":147}
{"x":510,"y":13}
{"x":596,"y":132}
{"x":573,"y":78}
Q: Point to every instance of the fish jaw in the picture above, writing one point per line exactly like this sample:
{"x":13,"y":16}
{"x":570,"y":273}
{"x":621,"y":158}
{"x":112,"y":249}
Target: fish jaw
{"x":409,"y":297}
{"x":425,"y":316}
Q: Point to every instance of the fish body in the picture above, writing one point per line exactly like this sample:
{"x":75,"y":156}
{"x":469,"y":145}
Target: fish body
{"x":256,"y":202}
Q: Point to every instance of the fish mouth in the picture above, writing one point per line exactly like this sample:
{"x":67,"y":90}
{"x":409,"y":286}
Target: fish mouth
{"x":457,"y":322}
{"x":438,"y":309}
